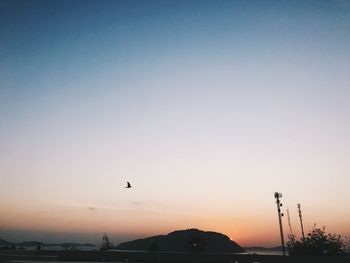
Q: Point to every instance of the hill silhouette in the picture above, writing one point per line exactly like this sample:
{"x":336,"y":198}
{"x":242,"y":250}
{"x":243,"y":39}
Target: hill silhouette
{"x":34,"y":243}
{"x":190,"y":240}
{"x":4,"y":242}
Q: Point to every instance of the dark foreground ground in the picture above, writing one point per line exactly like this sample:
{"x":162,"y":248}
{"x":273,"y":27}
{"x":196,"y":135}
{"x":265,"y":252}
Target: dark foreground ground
{"x":156,"y":257}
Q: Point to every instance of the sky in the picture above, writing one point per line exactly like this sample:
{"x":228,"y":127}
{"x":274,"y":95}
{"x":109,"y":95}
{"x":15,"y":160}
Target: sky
{"x":206,"y":107}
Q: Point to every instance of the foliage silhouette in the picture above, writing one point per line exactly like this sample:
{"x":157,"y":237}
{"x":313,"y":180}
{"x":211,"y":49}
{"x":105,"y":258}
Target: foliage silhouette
{"x":346,"y":241}
{"x":317,"y":243}
{"x":106,"y":243}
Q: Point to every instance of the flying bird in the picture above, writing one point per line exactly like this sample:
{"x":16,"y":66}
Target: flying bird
{"x":128,"y":185}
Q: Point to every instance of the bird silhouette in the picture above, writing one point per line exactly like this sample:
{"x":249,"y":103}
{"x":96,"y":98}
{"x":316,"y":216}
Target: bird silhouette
{"x":128,"y":185}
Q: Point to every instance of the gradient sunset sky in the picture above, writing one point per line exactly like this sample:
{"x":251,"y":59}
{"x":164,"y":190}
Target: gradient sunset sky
{"x":206,"y":107}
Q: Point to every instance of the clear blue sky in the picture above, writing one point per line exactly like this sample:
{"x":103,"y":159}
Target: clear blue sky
{"x":206,"y":107}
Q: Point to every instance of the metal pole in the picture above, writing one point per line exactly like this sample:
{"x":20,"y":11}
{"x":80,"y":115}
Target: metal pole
{"x":301,"y":221}
{"x":290,"y":225}
{"x":278,"y":196}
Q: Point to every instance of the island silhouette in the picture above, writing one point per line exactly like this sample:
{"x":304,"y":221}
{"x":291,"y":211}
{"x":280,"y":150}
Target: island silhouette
{"x":189,"y":240}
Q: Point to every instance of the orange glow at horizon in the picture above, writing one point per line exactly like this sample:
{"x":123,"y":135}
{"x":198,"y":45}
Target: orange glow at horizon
{"x":244,"y":230}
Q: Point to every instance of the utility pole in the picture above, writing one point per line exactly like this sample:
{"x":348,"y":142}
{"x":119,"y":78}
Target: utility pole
{"x":290,"y":225}
{"x":278,"y":196}
{"x":301,"y":221}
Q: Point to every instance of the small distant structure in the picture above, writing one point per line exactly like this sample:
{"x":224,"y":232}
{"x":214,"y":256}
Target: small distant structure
{"x":279,"y":205}
{"x":128,"y":185}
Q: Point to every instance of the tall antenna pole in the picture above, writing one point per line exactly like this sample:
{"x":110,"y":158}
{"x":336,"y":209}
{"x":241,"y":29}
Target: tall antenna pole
{"x":290,"y":225}
{"x":278,"y":196}
{"x":301,"y":221}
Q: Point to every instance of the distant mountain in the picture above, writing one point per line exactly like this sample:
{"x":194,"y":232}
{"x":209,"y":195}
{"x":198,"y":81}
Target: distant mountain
{"x":190,"y":240}
{"x":34,"y":243}
{"x":73,"y":245}
{"x":28,"y":243}
{"x":4,"y":243}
